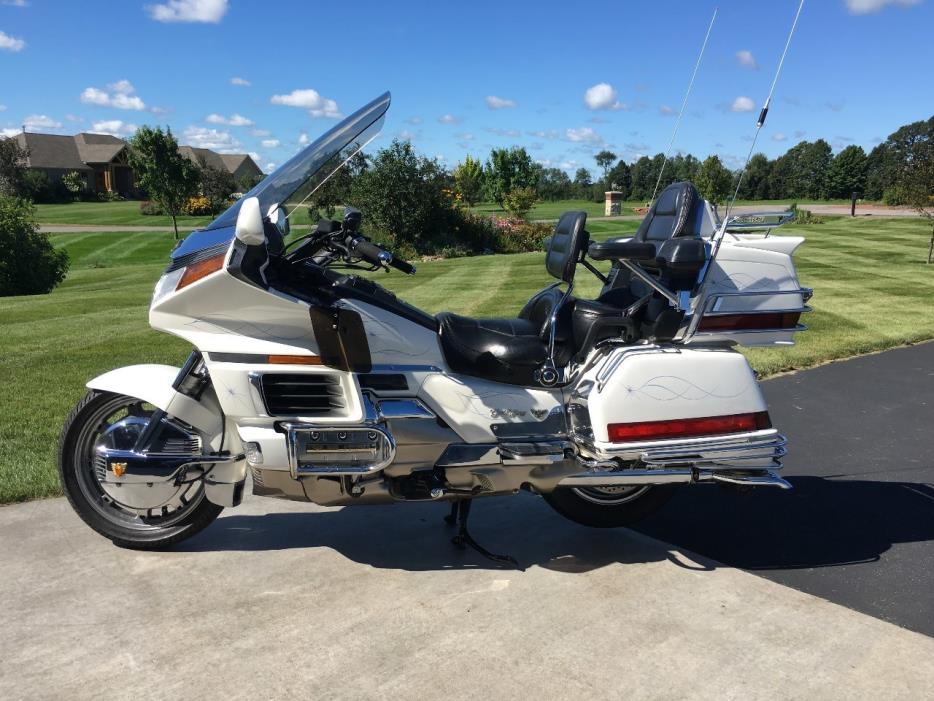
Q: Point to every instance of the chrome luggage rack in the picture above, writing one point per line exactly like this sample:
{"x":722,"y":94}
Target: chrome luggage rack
{"x":711,"y":308}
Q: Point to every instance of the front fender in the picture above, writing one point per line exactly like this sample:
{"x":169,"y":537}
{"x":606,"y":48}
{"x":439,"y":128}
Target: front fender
{"x":153,"y":384}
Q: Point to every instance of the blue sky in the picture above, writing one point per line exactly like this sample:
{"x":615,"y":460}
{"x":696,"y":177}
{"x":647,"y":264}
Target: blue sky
{"x":562,"y":79}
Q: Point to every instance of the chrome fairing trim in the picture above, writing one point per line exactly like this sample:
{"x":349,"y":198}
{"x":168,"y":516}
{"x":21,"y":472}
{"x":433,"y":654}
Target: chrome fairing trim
{"x":384,"y":454}
{"x":389,"y":409}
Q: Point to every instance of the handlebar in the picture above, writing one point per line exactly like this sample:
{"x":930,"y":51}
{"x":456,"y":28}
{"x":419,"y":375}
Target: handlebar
{"x":376,"y":255}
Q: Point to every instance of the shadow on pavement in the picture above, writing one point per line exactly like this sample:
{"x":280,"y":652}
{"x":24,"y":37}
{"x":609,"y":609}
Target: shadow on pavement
{"x":821,"y":523}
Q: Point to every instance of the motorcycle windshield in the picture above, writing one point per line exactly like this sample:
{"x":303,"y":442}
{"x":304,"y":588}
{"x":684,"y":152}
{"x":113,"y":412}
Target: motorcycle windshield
{"x":296,"y":180}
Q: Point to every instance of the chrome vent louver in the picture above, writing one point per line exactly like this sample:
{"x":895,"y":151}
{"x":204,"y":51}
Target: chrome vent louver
{"x":308,"y":394}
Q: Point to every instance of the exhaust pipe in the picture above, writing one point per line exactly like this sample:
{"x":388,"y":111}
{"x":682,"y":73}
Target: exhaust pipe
{"x":625,"y":478}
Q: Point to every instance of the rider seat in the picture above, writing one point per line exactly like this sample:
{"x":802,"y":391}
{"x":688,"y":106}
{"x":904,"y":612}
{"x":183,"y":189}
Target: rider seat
{"x":513,"y":350}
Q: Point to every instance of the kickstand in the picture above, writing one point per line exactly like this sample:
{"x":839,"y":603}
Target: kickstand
{"x":460,"y":510}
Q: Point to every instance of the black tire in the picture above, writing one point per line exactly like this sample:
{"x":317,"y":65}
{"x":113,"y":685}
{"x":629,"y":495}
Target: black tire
{"x":613,"y":513}
{"x":110,"y":521}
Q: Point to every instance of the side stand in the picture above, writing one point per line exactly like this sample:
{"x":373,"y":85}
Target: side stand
{"x":460,"y":510}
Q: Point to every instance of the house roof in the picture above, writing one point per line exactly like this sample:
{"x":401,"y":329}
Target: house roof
{"x":221,"y":161}
{"x":98,"y":148}
{"x":51,"y":151}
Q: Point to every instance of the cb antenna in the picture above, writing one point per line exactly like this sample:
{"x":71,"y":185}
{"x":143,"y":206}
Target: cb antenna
{"x":764,"y":112}
{"x":685,"y":102}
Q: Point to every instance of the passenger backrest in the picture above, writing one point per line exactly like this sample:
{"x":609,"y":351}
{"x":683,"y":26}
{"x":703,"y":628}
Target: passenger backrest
{"x":565,"y":245}
{"x":673,"y":214}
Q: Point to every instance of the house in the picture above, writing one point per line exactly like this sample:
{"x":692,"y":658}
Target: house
{"x":104,"y":160}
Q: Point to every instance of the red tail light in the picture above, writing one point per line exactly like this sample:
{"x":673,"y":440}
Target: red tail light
{"x":688,"y":428}
{"x":750,"y":322}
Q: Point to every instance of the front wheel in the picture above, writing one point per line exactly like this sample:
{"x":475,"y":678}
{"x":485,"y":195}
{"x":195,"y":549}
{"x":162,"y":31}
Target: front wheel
{"x":184,"y":513}
{"x":609,"y":507}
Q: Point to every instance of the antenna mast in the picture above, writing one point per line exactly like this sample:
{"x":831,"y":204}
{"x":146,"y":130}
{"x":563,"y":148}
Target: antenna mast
{"x":685,"y":102}
{"x":764,"y":112}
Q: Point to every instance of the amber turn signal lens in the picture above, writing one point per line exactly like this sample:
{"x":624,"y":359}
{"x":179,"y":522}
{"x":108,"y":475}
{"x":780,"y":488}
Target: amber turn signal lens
{"x":203,"y":268}
{"x":295,"y":360}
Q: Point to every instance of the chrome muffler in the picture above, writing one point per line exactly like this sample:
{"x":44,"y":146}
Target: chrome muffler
{"x":627,"y":478}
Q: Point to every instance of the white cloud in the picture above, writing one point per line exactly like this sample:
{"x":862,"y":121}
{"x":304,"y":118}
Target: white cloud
{"x":746,"y":59}
{"x":9,"y":43}
{"x":214,"y":139}
{"x":303,"y":139}
{"x":550,"y":134}
{"x":237,"y":80}
{"x":448,"y":119}
{"x":2,"y":108}
{"x":466,"y":136}
{"x":406,"y":135}
{"x":414,"y":121}
{"x":235,"y":120}
{"x":114,"y":127}
{"x":260,"y":132}
{"x":602,"y":96}
{"x":779,"y":136}
{"x":511,"y":133}
{"x":37,"y":122}
{"x":15,"y":3}
{"x":742,"y":104}
{"x":9,"y":133}
{"x":270,"y":167}
{"x":254,"y":155}
{"x":120,"y":96}
{"x":270,"y":143}
{"x":210,"y":11}
{"x":665,"y":110}
{"x":865,"y":7}
{"x":309,"y":99}
{"x":584,"y":134}
{"x":499,"y":103}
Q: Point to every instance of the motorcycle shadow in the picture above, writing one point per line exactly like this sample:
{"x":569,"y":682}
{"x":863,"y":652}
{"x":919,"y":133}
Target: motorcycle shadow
{"x":414,"y":537}
{"x":821,"y":523}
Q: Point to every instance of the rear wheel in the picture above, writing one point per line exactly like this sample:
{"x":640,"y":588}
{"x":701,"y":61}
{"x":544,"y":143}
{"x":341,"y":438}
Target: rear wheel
{"x":609,"y":507}
{"x":183,"y":515}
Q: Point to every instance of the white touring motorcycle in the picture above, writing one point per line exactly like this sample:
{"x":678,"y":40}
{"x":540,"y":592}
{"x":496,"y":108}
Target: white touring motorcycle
{"x":324,"y":386}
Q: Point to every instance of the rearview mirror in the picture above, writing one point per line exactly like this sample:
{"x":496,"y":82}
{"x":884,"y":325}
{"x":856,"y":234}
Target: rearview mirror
{"x":249,"y":229}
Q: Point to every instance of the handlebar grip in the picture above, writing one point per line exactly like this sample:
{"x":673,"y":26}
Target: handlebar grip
{"x":403,"y":266}
{"x":370,"y":251}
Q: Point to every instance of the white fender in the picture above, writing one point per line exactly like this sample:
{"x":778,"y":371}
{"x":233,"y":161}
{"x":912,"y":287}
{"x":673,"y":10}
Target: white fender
{"x":153,"y":384}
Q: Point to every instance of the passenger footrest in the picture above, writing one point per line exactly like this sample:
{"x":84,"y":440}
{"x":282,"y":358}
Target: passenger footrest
{"x":538,"y":453}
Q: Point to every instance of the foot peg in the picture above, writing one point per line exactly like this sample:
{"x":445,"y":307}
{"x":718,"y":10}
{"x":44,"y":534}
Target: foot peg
{"x":460,"y":510}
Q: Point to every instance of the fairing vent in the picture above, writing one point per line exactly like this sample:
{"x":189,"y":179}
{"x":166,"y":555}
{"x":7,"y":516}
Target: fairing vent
{"x":302,"y":394}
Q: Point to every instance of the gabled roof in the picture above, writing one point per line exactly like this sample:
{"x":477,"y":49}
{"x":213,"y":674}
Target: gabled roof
{"x":51,"y":151}
{"x":229,"y":162}
{"x":98,"y":148}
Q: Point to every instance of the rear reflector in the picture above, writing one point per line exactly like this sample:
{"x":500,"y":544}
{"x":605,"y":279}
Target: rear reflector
{"x":750,"y":322}
{"x":203,"y":268}
{"x":295,"y":360}
{"x":689,"y":428}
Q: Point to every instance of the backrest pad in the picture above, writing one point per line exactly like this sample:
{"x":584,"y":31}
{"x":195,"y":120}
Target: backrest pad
{"x":564,"y":247}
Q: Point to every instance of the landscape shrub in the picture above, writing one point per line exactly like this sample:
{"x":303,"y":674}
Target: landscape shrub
{"x":519,"y":200}
{"x":149,"y":208}
{"x":75,"y":184}
{"x":29,"y":264}
{"x":804,"y":216}
{"x":38,"y":188}
{"x":105,"y":196}
{"x":520,"y":236}
{"x":197,"y":206}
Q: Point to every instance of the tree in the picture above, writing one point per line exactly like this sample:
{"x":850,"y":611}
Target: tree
{"x":29,"y":264}
{"x":335,"y":191}
{"x":74,"y":183}
{"x":248,"y":182}
{"x":620,"y":178}
{"x":583,"y":183}
{"x":554,"y":184}
{"x":847,"y":173}
{"x":217,"y":186}
{"x":755,"y":185}
{"x":714,"y":180}
{"x":401,"y":195}
{"x":168,"y":177}
{"x":520,"y":200}
{"x":912,"y":147}
{"x":508,"y":169}
{"x":468,"y":178}
{"x":604,"y":160}
{"x":12,"y":167}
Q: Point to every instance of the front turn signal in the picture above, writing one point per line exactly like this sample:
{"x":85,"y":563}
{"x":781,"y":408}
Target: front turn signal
{"x":201,"y":269}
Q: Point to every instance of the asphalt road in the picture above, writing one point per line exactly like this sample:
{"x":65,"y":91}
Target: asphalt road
{"x":858,"y":529}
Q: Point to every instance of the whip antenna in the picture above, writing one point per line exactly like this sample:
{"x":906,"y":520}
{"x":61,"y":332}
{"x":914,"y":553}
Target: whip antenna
{"x":685,"y":102}
{"x":764,"y":112}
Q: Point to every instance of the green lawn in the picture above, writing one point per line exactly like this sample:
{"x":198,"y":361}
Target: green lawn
{"x":872,"y":291}
{"x":110,"y":214}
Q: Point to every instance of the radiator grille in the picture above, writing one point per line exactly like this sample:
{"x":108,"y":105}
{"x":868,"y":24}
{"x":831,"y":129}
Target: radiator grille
{"x":302,"y":394}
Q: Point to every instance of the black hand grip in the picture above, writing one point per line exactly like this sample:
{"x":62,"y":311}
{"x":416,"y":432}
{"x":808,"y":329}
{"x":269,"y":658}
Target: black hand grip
{"x":405,"y":267}
{"x":370,"y":252}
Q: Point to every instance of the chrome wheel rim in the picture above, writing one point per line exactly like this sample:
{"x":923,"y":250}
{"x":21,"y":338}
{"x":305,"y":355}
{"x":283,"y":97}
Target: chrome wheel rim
{"x":184,"y":501}
{"x":611,"y":496}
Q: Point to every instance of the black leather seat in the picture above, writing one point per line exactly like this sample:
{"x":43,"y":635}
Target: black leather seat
{"x":512,"y":350}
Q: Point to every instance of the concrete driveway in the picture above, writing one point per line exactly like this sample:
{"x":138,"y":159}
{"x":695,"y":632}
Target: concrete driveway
{"x":279,"y":599}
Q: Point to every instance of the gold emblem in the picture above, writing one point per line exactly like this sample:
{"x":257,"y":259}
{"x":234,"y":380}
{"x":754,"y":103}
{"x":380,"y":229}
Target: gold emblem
{"x":118,"y":468}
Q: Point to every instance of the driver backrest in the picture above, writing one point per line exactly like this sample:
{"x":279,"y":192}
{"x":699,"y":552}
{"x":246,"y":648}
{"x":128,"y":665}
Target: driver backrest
{"x":674,"y":214}
{"x":565,"y":245}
